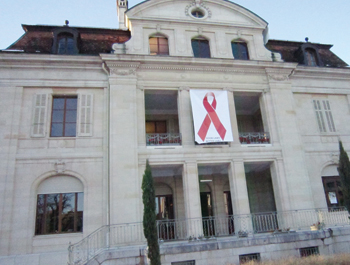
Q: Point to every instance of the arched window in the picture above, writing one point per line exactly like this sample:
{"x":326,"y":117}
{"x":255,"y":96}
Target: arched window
{"x":201,"y":48}
{"x":66,"y":44}
{"x":65,"y":41}
{"x":158,"y":45}
{"x":60,"y":204}
{"x":240,"y":50}
{"x":311,"y":57}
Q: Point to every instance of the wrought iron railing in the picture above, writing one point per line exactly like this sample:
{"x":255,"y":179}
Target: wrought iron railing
{"x":163,"y":139}
{"x":254,"y":137}
{"x":206,"y":229}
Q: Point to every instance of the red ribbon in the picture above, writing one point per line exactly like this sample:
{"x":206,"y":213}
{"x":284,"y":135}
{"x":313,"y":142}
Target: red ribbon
{"x":211,"y":117}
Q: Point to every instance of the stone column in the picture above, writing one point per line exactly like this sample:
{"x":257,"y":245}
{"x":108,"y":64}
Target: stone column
{"x":239,"y":197}
{"x":233,"y":117}
{"x":193,"y":210}
{"x":141,"y":114}
{"x":185,"y":117}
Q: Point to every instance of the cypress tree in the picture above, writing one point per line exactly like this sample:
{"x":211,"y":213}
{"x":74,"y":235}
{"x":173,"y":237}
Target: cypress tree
{"x":344,"y":174}
{"x":149,"y":216}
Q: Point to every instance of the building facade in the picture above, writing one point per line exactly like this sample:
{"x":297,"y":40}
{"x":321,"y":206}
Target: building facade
{"x":84,"y":108}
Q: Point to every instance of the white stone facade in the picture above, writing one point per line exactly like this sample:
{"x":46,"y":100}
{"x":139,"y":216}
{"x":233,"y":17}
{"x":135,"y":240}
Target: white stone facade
{"x":109,"y":160}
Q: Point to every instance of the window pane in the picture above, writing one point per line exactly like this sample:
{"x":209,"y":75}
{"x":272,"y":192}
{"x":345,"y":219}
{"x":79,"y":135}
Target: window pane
{"x":205,"y":50}
{"x":195,"y":48}
{"x":61,"y":46}
{"x":68,"y":210}
{"x":52,"y":213}
{"x":40,"y":215}
{"x":71,"y":103}
{"x":70,"y":46}
{"x":163,"y":41}
{"x":57,"y":115}
{"x":56,"y":129}
{"x":70,"y":129}
{"x":71,"y":116}
{"x":58,"y":103}
{"x":153,"y":41}
{"x":240,"y":50}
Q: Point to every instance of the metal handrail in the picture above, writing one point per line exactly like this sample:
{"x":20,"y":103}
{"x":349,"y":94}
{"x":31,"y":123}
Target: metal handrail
{"x":206,"y":228}
{"x":163,"y":139}
{"x":254,"y":137}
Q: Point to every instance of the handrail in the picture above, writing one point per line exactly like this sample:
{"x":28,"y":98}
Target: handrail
{"x":163,"y":139}
{"x":206,"y":228}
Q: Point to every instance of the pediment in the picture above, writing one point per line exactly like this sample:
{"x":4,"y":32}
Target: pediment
{"x":217,"y":12}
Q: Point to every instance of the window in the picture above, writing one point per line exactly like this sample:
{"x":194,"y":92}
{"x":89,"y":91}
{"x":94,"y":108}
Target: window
{"x":324,"y":115}
{"x":70,"y":115}
{"x":249,"y":257}
{"x":306,"y":252}
{"x":197,"y":13}
{"x":158,"y":45}
{"x":60,"y":204}
{"x":332,"y":189}
{"x":201,"y":48}
{"x":66,"y":44}
{"x":59,"y":213}
{"x":64,"y":117}
{"x":311,"y":57}
{"x":240,"y":50}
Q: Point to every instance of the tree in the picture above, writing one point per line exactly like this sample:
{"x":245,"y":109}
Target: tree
{"x":149,"y":216}
{"x":344,"y":174}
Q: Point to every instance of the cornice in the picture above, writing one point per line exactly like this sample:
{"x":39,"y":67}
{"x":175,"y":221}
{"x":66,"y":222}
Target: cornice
{"x":322,"y":73}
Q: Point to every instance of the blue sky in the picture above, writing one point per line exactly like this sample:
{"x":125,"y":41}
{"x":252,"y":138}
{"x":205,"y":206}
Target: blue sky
{"x":323,"y":21}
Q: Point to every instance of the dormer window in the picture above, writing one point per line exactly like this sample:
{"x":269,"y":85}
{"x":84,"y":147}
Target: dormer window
{"x":158,"y":45}
{"x":310,"y":57}
{"x":65,"y":41}
{"x":201,"y":48}
{"x":240,"y":50}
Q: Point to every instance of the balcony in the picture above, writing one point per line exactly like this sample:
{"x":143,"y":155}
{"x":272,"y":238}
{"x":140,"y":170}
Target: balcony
{"x":254,"y":138}
{"x":163,"y":139}
{"x":209,"y":228}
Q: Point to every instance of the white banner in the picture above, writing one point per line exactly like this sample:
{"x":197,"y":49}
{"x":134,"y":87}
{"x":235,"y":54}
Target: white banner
{"x":211,"y":116}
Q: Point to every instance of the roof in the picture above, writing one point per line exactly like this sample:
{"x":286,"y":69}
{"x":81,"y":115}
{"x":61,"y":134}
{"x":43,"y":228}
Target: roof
{"x":288,"y":50}
{"x":92,"y":41}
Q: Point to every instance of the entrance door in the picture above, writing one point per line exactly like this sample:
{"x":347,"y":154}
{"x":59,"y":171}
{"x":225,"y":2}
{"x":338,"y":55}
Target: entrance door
{"x":207,"y":214}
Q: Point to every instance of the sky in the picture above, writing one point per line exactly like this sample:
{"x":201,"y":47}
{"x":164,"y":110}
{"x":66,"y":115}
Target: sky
{"x":322,"y":21}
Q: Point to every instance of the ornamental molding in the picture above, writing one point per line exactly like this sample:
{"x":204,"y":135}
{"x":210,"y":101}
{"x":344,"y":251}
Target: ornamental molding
{"x":335,"y":158}
{"x":60,"y":166}
{"x":198,"y":4}
{"x":278,"y":75}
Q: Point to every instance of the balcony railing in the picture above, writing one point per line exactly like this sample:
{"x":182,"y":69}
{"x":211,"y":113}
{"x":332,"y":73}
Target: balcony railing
{"x":206,"y":229}
{"x":163,"y":139}
{"x":254,"y":138}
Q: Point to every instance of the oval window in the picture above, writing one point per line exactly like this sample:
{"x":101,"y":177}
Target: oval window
{"x":197,"y":13}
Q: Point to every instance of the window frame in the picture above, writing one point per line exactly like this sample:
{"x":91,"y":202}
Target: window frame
{"x":240,"y":51}
{"x":41,"y":221}
{"x":200,"y":54}
{"x":324,"y":116}
{"x":157,"y":37}
{"x":64,"y":115}
{"x":336,"y":189}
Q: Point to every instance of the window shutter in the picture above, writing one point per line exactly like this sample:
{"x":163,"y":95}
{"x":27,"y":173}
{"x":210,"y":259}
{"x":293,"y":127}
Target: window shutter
{"x":85,"y":115}
{"x":39,"y":115}
{"x":319,"y":115}
{"x":327,"y":110}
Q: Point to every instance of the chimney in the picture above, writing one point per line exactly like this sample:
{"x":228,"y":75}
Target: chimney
{"x":122,"y":7}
